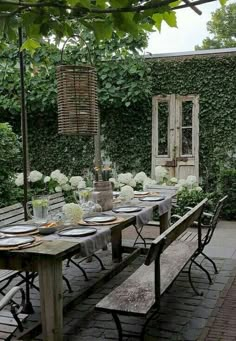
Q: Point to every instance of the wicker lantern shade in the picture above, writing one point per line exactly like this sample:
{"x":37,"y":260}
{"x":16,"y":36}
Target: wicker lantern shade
{"x":77,"y":100}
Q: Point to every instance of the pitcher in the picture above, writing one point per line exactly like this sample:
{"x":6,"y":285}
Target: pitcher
{"x":40,"y":204}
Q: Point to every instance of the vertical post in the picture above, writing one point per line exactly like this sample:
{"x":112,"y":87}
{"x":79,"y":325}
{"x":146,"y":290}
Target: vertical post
{"x":24,"y":128}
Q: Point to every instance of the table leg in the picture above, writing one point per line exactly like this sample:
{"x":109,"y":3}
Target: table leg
{"x":51,"y":298}
{"x":116,"y":243}
{"x":164,"y":222}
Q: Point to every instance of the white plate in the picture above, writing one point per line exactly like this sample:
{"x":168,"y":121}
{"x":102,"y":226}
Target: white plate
{"x":152,"y":198}
{"x":100,"y":219}
{"x":78,"y":232}
{"x":15,"y":241}
{"x":140,"y":193}
{"x":127,"y":209}
{"x":15,"y":229}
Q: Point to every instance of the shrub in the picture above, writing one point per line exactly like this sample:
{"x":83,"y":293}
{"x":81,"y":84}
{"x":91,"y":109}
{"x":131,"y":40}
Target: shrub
{"x":188,"y":198}
{"x":9,"y":161}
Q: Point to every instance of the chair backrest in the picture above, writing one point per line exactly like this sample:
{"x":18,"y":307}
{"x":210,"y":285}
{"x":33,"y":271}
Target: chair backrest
{"x":167,"y":237}
{"x":214,"y":220}
{"x":56,"y":202}
{"x":12,"y":214}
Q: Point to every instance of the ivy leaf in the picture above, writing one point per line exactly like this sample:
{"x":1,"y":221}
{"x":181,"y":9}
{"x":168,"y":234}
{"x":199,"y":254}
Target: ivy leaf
{"x":84,"y":3}
{"x":101,"y":4}
{"x":31,"y":45}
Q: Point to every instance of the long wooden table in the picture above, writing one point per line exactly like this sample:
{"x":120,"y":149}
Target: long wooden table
{"x":46,"y":259}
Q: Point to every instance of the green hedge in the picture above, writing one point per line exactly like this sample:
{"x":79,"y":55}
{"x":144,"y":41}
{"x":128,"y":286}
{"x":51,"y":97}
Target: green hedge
{"x":126,"y":90}
{"x":227,"y":184}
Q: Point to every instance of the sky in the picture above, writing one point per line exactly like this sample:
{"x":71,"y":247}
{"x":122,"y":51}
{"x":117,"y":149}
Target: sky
{"x":190,"y":32}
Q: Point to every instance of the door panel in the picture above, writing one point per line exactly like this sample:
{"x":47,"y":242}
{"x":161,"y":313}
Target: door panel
{"x":175,"y":134}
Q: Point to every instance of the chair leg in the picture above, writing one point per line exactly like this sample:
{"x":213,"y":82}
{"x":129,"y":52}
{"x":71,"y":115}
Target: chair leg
{"x":81,"y":269}
{"x":118,"y":326}
{"x":68,"y":284}
{"x":203,"y":269}
{"x":191,"y":282}
{"x":100,"y":261}
{"x":211,"y":261}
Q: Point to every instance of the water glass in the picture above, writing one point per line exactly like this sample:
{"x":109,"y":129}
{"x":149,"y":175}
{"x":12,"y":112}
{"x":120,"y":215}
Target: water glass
{"x":40,"y":204}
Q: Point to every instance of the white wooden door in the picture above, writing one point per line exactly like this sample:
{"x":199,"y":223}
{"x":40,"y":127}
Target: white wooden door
{"x":175,"y":134}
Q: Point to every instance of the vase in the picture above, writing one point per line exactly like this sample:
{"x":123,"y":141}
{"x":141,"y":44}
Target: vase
{"x":104,"y":194}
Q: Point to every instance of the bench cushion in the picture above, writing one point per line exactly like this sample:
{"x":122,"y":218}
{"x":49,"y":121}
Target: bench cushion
{"x":136,"y":294}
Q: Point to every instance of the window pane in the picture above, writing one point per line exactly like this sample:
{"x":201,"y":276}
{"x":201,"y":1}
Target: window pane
{"x":187,"y":141}
{"x":163,"y":119}
{"x":187,"y":108}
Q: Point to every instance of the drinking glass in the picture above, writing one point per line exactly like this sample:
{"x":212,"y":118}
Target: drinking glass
{"x":40,"y":204}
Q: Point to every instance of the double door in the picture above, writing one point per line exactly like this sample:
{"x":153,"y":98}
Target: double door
{"x":175,"y":134}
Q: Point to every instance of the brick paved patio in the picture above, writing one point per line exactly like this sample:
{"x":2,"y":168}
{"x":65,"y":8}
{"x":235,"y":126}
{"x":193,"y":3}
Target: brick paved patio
{"x":183,"y":315}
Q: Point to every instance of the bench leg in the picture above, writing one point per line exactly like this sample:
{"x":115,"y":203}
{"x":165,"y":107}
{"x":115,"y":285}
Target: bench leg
{"x":118,"y":325}
{"x":100,"y":261}
{"x":211,"y":261}
{"x":146,"y":323}
{"x":203,"y":269}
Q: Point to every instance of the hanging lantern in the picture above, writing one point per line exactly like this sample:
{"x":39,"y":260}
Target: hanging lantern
{"x":77,"y":100}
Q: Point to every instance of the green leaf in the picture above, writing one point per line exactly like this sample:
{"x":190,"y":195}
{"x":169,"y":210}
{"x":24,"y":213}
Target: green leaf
{"x":101,"y":4}
{"x":223,"y":2}
{"x":125,"y":22}
{"x":31,"y":45}
{"x":102,"y":29}
{"x":158,"y":18}
{"x":170,"y":18}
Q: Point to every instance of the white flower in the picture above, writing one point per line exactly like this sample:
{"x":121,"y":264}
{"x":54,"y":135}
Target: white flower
{"x":35,"y":176}
{"x":66,"y":187}
{"x":19,"y":181}
{"x":140,"y":177}
{"x":182,"y":182}
{"x":55,"y":174}
{"x":191,"y":180}
{"x":73,"y":212}
{"x":126,"y":193}
{"x":58,"y":189}
{"x":174,"y":180}
{"x":115,"y":182}
{"x":148,"y":182}
{"x":160,"y":173}
{"x":74,"y":181}
{"x":46,"y":179}
{"x":125,"y":178}
{"x":81,"y":184}
{"x":62,"y":179}
{"x":179,"y":187}
{"x":198,"y":188}
{"x":132,"y":183}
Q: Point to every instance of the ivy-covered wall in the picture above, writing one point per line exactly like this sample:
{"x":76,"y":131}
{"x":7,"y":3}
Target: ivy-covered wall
{"x":213,"y":78}
{"x":125,"y":94}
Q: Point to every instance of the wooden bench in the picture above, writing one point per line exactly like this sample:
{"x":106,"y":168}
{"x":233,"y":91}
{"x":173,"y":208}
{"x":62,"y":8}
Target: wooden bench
{"x":166,"y":258}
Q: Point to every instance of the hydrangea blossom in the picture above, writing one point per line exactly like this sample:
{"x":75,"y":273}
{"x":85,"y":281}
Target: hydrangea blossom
{"x":125,"y":178}
{"x":81,"y":184}
{"x":132,"y":183}
{"x":55,"y":174}
{"x":160,"y":173}
{"x":19,"y":181}
{"x":140,"y":177}
{"x":148,"y":182}
{"x":174,"y":180}
{"x":62,"y":179}
{"x":46,"y":179}
{"x":73,"y":212}
{"x":35,"y":176}
{"x":58,"y":189}
{"x":75,"y":180}
{"x":191,"y":180}
{"x":115,"y":182}
{"x":66,"y":187}
{"x":126,"y":193}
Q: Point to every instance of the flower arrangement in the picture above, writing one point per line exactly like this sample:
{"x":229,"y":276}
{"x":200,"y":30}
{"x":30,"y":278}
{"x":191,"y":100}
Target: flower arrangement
{"x":126,"y":193}
{"x":73,"y":212}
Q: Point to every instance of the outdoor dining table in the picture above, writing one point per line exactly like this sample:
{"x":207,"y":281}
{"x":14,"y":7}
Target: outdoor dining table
{"x":46,"y":259}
